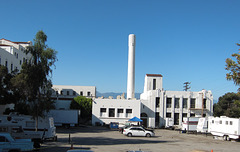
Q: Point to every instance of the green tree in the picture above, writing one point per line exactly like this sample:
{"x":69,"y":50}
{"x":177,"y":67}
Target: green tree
{"x":84,"y":105}
{"x":7,"y":92}
{"x":233,"y":66}
{"x":33,"y":82}
{"x":228,"y":105}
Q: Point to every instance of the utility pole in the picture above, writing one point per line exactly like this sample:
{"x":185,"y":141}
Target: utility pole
{"x":186,"y":86}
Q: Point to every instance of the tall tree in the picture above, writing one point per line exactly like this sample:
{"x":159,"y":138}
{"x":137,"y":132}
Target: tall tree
{"x":84,"y":105}
{"x":34,"y":81}
{"x":233,"y":66}
{"x":228,"y":105}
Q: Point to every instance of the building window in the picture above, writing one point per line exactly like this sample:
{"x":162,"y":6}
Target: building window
{"x":154,"y":84}
{"x":157,"y":119}
{"x":220,"y":122}
{"x":231,"y":123}
{"x":68,"y":93}
{"x":226,"y":122}
{"x":81,"y":93}
{"x":176,"y":118}
{"x":57,"y":93}
{"x":128,"y":112}
{"x":192,"y":115}
{"x":88,"y":94}
{"x":176,"y":103}
{"x":204,"y":103}
{"x":20,"y":62}
{"x":6,"y":63}
{"x":111,"y":112}
{"x":11,"y":67}
{"x":74,"y":93}
{"x":192,"y":103}
{"x":103,"y":112}
{"x":61,"y":92}
{"x":169,"y":102}
{"x":157,"y":102}
{"x":120,"y":110}
{"x":168,"y":115}
{"x":185,"y":102}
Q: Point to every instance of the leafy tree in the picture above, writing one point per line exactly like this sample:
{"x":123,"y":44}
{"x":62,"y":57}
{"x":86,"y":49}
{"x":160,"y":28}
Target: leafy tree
{"x":228,"y":105}
{"x":234,"y":68}
{"x":7,"y":92}
{"x":33,"y":82}
{"x":84,"y":104}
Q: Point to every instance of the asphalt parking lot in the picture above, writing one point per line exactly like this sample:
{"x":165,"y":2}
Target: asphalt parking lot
{"x":101,"y":139}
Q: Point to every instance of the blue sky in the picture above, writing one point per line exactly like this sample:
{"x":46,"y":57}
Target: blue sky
{"x":184,"y":40}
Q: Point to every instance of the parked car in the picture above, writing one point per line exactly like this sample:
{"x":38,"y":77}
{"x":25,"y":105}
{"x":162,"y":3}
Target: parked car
{"x":138,"y":131}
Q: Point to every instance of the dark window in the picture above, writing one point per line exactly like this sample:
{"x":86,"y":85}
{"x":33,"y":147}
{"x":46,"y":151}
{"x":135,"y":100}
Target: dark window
{"x":176,"y":104}
{"x":61,"y":92}
{"x":128,"y":110}
{"x":11,"y":67}
{"x":157,"y":118}
{"x":120,"y":110}
{"x":204,"y":103}
{"x":169,"y":102}
{"x":74,"y":93}
{"x":68,"y":93}
{"x":168,"y":115}
{"x":111,"y":112}
{"x":3,"y":139}
{"x":231,"y":123}
{"x":192,"y":103}
{"x":220,"y":122}
{"x":176,"y":118}
{"x":81,"y":93}
{"x":192,"y":115}
{"x":103,"y":110}
{"x":6,"y":63}
{"x":88,"y":94}
{"x":157,"y":101}
{"x":20,"y":62}
{"x":185,"y":102}
{"x":154,"y":84}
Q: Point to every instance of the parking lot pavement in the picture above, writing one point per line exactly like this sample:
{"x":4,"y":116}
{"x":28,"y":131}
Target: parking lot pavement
{"x":101,"y":139}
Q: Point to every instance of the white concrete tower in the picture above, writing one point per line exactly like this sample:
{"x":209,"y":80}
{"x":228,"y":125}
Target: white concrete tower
{"x":131,"y":67}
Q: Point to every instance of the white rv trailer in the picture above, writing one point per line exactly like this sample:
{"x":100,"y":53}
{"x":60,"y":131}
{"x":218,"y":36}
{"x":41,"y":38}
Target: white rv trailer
{"x":169,"y":123}
{"x":228,"y":128}
{"x":190,"y":123}
{"x":202,"y":125}
{"x":45,"y":125}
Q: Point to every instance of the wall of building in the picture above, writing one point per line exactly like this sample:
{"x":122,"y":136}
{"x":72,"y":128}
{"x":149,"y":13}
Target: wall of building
{"x":64,"y":94}
{"x":105,"y":111}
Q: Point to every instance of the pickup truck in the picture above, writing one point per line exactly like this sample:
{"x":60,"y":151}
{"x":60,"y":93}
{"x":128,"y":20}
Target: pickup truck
{"x":8,"y":144}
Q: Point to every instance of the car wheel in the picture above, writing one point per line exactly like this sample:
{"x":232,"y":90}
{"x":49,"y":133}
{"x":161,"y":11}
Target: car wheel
{"x":148,"y":135}
{"x":129,"y":135}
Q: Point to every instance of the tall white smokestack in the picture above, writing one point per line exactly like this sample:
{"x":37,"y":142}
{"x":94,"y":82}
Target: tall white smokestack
{"x":131,"y":67}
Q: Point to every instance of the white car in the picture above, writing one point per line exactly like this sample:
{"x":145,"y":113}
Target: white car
{"x":138,"y":131}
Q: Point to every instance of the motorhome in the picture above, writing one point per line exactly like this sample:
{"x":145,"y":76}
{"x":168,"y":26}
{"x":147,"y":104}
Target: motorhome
{"x":190,"y":123}
{"x":202,"y":126}
{"x":228,"y":128}
{"x":45,"y":125}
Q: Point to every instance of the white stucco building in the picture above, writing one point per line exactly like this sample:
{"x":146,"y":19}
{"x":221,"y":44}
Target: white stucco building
{"x":64,"y":94}
{"x":12,"y":54}
{"x":155,"y":105}
{"x":158,"y":104}
{"x":106,"y":111}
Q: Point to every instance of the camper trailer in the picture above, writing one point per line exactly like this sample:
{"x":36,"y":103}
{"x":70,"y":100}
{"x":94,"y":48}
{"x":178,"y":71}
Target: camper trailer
{"x":45,"y":126}
{"x":190,"y":123}
{"x":169,"y":123}
{"x":202,"y":126}
{"x":228,"y":128}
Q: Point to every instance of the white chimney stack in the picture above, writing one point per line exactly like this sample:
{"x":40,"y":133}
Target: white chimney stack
{"x":131,"y":67}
